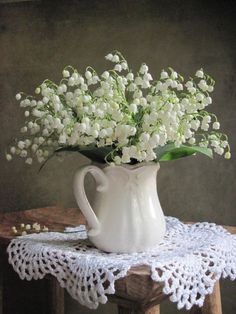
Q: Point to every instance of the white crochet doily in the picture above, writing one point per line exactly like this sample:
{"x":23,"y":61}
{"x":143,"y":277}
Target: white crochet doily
{"x":191,"y":258}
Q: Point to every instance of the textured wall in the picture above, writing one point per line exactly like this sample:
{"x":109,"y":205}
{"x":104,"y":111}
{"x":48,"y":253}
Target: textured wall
{"x":38,"y":39}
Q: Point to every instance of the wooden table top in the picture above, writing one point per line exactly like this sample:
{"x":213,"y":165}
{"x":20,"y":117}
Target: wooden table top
{"x":56,"y":219}
{"x":136,"y":287}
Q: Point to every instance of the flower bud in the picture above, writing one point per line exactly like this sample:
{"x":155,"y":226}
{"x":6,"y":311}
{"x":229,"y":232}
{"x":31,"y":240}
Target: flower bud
{"x":133,"y":108}
{"x":203,"y":85}
{"x":143,"y":69}
{"x":224,"y":144}
{"x":65,"y":73}
{"x":88,"y":75}
{"x":219,"y":150}
{"x":124,"y":65}
{"x":23,"y":153}
{"x":45,"y":100}
{"x":164,"y":75}
{"x":199,"y":74}
{"x":174,"y":84}
{"x":144,"y":137}
{"x":71,"y":81}
{"x":210,"y":88}
{"x":189,"y":84}
{"x":21,"y":144}
{"x":23,"y":129}
{"x":13,"y":150}
{"x":199,"y":97}
{"x":216,"y":125}
{"x":118,"y":68}
{"x":109,"y":56}
{"x":227,"y":155}
{"x":18,"y":96}
{"x":115,"y":58}
{"x":174,"y":75}
{"x":103,"y":133}
{"x":192,"y":141}
{"x":8,"y":157}
{"x":130,"y":76}
{"x":105,"y":75}
{"x":117,"y":160}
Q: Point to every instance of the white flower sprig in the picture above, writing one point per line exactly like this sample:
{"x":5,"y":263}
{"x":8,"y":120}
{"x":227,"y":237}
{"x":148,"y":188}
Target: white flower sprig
{"x":25,"y":229}
{"x":130,"y":113}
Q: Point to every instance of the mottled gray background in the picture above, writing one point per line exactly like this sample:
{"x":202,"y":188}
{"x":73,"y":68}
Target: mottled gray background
{"x":39,"y":38}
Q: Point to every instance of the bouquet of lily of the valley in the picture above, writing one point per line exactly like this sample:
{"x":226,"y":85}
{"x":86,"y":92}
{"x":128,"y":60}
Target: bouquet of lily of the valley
{"x":119,"y":116}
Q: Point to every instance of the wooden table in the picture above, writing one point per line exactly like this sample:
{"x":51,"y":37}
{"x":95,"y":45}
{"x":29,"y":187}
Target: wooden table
{"x":136,"y":293}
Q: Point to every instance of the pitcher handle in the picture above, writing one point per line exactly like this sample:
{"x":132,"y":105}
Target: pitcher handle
{"x":80,"y":195}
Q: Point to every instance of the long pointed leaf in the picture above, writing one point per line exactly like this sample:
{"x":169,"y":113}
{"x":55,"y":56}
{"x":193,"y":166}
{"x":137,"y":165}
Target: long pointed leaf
{"x":171,"y":152}
{"x":92,"y":152}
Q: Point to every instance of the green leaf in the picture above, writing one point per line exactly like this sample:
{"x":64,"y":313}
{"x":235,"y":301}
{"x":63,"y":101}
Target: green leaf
{"x":171,"y":152}
{"x":92,"y":152}
{"x":165,"y":153}
{"x":97,"y":154}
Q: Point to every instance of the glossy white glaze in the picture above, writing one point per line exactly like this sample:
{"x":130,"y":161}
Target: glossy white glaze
{"x":127,"y":215}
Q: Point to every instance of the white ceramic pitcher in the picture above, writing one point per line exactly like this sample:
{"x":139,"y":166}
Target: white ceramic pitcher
{"x":127,"y":215}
